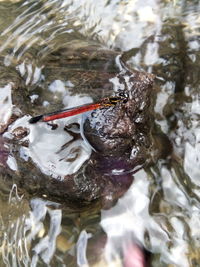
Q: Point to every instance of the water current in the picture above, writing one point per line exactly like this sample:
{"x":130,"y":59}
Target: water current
{"x":160,"y":212}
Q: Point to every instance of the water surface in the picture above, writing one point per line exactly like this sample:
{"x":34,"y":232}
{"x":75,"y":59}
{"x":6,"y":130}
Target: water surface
{"x":161,"y":210}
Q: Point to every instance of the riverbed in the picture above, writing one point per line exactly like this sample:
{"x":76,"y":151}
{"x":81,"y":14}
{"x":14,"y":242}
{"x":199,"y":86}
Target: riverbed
{"x":161,"y":210}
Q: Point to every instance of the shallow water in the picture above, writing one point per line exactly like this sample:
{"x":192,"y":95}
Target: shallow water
{"x":161,"y":210}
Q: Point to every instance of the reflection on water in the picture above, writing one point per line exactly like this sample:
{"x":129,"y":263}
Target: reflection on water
{"x":25,"y":231}
{"x":161,"y":211}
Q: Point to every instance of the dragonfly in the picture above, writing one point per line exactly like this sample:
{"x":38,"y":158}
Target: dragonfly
{"x":64,"y":113}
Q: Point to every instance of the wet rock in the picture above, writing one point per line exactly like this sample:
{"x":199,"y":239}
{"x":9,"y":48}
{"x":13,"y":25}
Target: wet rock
{"x":55,"y":162}
{"x":20,"y":133}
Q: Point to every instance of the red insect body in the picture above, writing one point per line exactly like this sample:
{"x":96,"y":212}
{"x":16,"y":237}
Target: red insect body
{"x":106,"y":102}
{"x":72,"y":112}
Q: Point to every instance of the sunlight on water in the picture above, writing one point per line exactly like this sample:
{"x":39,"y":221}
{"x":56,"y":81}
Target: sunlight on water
{"x":22,"y":231}
{"x":158,"y":218}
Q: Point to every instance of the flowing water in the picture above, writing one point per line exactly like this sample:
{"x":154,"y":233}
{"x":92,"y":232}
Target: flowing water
{"x":161,"y":209}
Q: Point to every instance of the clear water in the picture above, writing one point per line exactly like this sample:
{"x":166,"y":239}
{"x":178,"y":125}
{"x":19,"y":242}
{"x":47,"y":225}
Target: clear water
{"x":161,"y":210}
